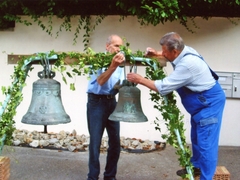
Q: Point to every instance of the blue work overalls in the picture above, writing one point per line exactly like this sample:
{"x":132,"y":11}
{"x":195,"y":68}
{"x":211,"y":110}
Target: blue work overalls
{"x":206,"y":109}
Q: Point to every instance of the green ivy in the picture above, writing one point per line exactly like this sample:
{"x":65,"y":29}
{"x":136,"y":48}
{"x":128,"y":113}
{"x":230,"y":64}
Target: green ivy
{"x":146,"y":11}
{"x":13,"y":95}
{"x":89,"y":62}
{"x":173,"y":118}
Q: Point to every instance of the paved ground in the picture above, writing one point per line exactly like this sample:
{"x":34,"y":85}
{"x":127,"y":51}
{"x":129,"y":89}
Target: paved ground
{"x":43,"y":164}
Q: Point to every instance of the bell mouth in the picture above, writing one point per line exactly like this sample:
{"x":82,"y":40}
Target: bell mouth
{"x":132,"y":118}
{"x":47,"y":119}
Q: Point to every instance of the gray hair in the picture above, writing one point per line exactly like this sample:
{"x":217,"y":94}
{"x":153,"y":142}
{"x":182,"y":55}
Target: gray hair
{"x":172,"y":41}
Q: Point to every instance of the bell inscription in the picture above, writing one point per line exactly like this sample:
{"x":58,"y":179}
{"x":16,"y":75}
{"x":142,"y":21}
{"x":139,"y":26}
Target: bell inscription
{"x":129,"y":107}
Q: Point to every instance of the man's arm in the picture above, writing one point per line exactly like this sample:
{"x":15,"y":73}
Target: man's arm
{"x":116,"y":61}
{"x":136,"y":78}
{"x":105,"y":76}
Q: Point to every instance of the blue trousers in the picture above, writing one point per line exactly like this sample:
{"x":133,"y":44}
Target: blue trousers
{"x":99,"y":109}
{"x":206,"y":109}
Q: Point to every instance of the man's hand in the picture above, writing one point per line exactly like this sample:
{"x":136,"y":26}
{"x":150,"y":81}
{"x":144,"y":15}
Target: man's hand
{"x":118,"y":59}
{"x":152,"y":53}
{"x":134,"y":78}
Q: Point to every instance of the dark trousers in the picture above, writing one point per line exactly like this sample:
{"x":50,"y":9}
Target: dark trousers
{"x":99,"y":109}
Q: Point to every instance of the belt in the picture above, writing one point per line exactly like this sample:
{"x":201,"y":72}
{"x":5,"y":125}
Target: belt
{"x":103,"y":96}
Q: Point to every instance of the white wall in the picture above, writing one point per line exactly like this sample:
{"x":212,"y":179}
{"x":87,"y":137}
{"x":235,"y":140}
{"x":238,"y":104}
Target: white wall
{"x":217,"y":40}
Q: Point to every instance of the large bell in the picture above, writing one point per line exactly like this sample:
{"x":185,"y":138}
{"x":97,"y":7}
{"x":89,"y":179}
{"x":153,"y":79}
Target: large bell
{"x":46,"y":105}
{"x":129,"y":107}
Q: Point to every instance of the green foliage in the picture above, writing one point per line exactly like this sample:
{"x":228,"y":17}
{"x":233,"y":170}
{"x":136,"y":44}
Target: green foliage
{"x":49,"y":9}
{"x":166,"y":105}
{"x":147,"y":12}
{"x":160,"y":12}
{"x":173,"y":118}
{"x":85,"y":64}
{"x":13,"y":98}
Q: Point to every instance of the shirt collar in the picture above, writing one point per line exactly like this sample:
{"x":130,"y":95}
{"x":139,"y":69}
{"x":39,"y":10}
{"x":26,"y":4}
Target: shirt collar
{"x":180,"y":56}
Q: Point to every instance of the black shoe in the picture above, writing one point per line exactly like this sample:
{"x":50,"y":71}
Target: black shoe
{"x":109,"y":178}
{"x":182,"y":172}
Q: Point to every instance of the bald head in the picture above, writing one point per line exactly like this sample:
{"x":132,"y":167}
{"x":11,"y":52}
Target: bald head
{"x":113,"y":43}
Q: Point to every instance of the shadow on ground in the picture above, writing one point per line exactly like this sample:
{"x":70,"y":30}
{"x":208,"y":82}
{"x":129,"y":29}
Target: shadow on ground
{"x":40,"y":164}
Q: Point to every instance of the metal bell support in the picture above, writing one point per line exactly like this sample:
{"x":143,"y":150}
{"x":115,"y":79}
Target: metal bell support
{"x":46,"y":105}
{"x":129,"y":107}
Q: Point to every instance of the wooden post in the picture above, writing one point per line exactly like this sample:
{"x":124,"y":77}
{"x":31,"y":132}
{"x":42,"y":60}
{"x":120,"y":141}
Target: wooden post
{"x":4,"y":168}
{"x":221,"y":173}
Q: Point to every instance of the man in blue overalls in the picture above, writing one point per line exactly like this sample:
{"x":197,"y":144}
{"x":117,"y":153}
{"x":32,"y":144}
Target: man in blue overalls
{"x":201,"y":95}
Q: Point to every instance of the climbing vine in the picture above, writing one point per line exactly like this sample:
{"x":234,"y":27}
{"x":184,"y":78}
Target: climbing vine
{"x":13,"y":95}
{"x":166,"y":105}
{"x":91,"y":13}
{"x":173,"y":118}
{"x":146,"y":11}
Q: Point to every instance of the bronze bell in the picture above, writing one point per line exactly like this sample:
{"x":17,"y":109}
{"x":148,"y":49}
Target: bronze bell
{"x":129,"y":107}
{"x":46,"y":105}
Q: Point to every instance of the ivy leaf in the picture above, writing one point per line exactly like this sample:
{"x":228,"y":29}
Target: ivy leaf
{"x":72,"y":86}
{"x":64,"y":79}
{"x":69,"y":75}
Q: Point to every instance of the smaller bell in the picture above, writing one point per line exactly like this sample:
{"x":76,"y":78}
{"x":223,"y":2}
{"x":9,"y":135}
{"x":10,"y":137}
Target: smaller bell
{"x":129,"y":107}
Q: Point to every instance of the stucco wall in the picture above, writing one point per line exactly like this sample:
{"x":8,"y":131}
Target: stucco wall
{"x":217,"y":40}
